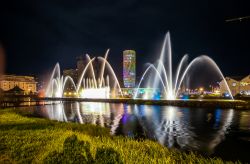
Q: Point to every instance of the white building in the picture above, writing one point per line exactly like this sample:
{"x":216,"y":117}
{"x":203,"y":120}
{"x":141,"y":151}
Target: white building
{"x":237,"y":85}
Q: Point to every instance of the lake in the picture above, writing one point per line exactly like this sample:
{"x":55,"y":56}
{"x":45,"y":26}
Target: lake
{"x":223,"y":133}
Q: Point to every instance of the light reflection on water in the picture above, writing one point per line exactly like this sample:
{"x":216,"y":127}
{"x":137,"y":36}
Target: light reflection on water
{"x":197,"y":129}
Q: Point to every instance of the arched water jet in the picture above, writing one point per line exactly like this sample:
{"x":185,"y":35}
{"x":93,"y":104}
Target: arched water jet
{"x":71,"y":80}
{"x":172,"y":87}
{"x":103,"y":66}
{"x":166,"y":48}
{"x":211,"y":61}
{"x":158,"y":74}
{"x":56,"y":88}
{"x":57,"y":83}
{"x":90,"y":85}
{"x":184,"y":58}
{"x":56,"y":71}
{"x":113,"y":73}
{"x":159,"y":68}
{"x":54,"y":83}
{"x":83,"y":73}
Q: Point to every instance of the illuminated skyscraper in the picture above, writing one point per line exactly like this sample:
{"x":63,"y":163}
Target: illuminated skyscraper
{"x":129,"y":74}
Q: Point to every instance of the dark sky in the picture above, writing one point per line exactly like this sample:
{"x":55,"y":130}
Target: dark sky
{"x":37,"y":34}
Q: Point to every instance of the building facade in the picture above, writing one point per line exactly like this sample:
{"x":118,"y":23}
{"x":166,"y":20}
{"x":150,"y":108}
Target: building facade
{"x":75,"y":73}
{"x":26,"y":83}
{"x":129,"y":68}
{"x":237,"y":85}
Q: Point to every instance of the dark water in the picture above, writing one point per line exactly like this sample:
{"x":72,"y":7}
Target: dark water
{"x":223,"y":133}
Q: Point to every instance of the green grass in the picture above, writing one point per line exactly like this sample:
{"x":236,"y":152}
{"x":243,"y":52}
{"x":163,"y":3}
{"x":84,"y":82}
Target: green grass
{"x":34,"y":140}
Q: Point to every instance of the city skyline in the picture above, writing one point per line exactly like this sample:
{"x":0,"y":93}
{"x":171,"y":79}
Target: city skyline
{"x":124,"y":81}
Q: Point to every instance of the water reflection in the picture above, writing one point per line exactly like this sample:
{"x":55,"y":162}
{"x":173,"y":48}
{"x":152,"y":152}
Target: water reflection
{"x":54,"y":112}
{"x":168,"y":125}
{"x":245,"y":120}
{"x":182,"y":128}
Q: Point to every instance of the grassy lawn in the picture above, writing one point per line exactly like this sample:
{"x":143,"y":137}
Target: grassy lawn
{"x":34,"y":140}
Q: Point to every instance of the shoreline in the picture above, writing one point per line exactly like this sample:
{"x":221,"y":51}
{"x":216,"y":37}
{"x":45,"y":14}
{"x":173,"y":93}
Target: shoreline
{"x":210,"y":103}
{"x":195,"y":103}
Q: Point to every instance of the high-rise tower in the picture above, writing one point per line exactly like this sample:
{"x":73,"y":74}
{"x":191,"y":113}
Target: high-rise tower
{"x":129,"y":71}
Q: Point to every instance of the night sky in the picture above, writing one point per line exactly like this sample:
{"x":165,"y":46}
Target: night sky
{"x":37,"y":34}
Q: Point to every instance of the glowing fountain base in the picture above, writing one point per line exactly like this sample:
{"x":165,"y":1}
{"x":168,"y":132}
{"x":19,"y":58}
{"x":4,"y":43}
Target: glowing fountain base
{"x":95,"y":93}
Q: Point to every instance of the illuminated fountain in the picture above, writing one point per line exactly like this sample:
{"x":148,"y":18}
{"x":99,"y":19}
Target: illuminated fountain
{"x":163,"y":77}
{"x":163,"y":82}
{"x":86,"y":87}
{"x":57,"y":83}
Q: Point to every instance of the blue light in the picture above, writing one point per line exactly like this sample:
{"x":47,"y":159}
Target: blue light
{"x":157,"y":95}
{"x":185,"y":97}
{"x":142,"y":91}
{"x":217,"y":117}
